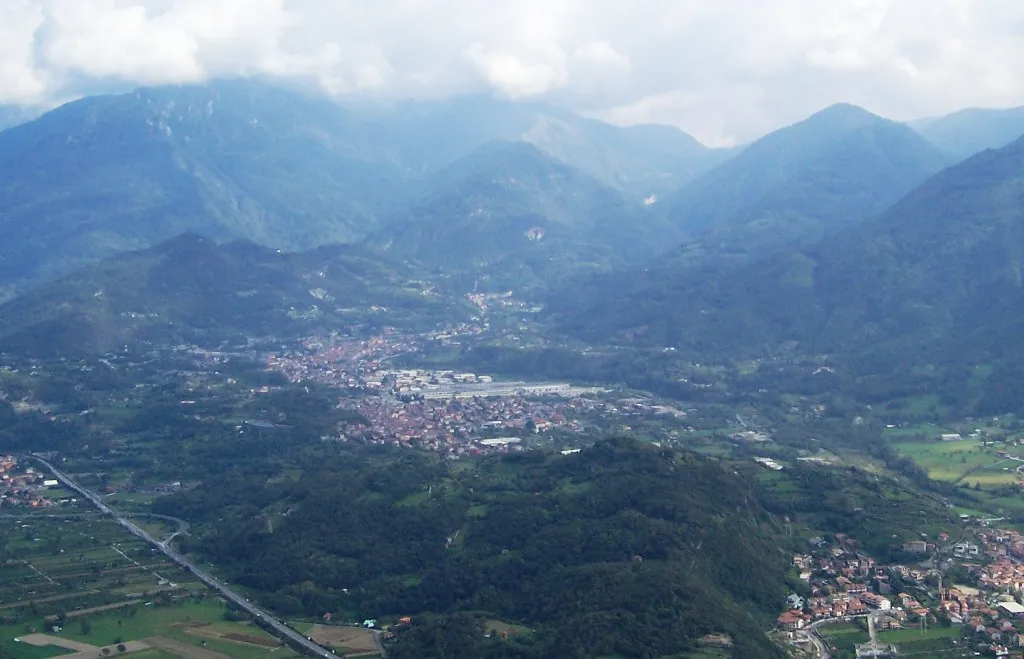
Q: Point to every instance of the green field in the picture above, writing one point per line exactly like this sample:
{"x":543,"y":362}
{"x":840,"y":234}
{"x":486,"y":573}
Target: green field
{"x":967,"y":461}
{"x":934,"y":642}
{"x":75,"y":558}
{"x":82,"y":571}
{"x":499,"y":627}
{"x":844,"y":637}
{"x":18,"y":650}
{"x":192,"y":622}
{"x":928,"y":430}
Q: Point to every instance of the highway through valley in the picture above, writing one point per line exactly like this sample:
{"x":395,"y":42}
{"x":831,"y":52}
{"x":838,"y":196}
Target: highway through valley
{"x":291,"y":636}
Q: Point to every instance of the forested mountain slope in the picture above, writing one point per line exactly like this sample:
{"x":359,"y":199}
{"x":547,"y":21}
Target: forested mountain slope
{"x":840,"y":166}
{"x":940,"y":271}
{"x":623,"y":549}
{"x":508,"y":212}
{"x":191,"y":289}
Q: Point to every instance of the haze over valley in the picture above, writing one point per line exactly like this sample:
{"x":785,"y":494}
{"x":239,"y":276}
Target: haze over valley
{"x":518,"y":335}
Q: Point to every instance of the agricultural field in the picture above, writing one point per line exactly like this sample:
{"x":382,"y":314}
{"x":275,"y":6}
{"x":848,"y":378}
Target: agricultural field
{"x":74,"y":583}
{"x":844,"y":637}
{"x":349,"y":641}
{"x":969,"y":461}
{"x":934,"y":642}
{"x":71,"y":557}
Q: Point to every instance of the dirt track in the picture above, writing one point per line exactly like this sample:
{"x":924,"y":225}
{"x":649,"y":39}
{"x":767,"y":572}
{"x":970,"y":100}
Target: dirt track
{"x":82,"y":650}
{"x":46,"y":639}
{"x":199,"y":629}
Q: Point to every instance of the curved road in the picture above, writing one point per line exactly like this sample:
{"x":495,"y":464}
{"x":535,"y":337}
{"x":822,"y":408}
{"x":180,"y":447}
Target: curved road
{"x":294,"y":638}
{"x":182,"y":525}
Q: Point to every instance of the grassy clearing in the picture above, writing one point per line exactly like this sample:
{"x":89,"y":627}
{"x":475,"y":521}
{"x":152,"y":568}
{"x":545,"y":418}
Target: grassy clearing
{"x":145,"y":622}
{"x":156,"y":528}
{"x":499,"y":627}
{"x":129,"y":500}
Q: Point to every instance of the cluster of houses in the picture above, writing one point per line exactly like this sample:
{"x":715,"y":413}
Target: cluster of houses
{"x":22,"y":486}
{"x":349,"y":363}
{"x":844,"y":582}
{"x":455,"y":425}
{"x":505,"y":301}
{"x":840,"y":579}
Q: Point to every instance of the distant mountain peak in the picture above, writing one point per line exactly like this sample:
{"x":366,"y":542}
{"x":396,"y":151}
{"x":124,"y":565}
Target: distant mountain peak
{"x":971,"y":130}
{"x":842,"y":117}
{"x":838,"y":166}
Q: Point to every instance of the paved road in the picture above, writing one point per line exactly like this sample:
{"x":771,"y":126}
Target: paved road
{"x":182,"y":526}
{"x":820,"y":647}
{"x":287,"y":633}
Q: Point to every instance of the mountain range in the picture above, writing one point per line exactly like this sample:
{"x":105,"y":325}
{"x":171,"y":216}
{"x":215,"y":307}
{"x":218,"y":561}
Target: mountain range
{"x":825,"y":234}
{"x":234,"y":161}
{"x":839,"y":167}
{"x":937,"y":276}
{"x":644,"y":160}
{"x":973,"y":130}
{"x":241,"y":160}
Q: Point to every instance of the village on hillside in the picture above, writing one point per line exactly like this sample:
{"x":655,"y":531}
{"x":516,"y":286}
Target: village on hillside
{"x":845,"y":585}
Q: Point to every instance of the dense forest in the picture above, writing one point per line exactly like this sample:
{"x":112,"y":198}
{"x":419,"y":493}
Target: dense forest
{"x":622,"y":549}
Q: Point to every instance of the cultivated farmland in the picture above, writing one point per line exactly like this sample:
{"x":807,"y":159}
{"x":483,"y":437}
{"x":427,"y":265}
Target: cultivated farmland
{"x":74,"y":583}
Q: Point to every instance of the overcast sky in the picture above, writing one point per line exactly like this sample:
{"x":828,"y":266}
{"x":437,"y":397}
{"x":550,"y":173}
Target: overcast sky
{"x":724,"y":70}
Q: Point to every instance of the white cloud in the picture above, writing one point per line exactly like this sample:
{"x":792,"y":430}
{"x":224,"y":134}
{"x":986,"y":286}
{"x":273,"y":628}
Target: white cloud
{"x":20,"y":81}
{"x":601,"y":53}
{"x":726,"y":71}
{"x":519,"y":75}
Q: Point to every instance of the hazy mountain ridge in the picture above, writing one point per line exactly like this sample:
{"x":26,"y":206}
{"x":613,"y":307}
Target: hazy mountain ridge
{"x":510,"y":211}
{"x":230,"y":160}
{"x":972,"y":130}
{"x":243,"y":160}
{"x":13,"y":115}
{"x":427,"y":136}
{"x":939,"y":271}
{"x":839,"y":166}
{"x":191,"y":289}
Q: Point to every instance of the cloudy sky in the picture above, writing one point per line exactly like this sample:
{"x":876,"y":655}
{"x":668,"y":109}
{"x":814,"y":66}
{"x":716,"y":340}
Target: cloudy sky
{"x":724,"y":70}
